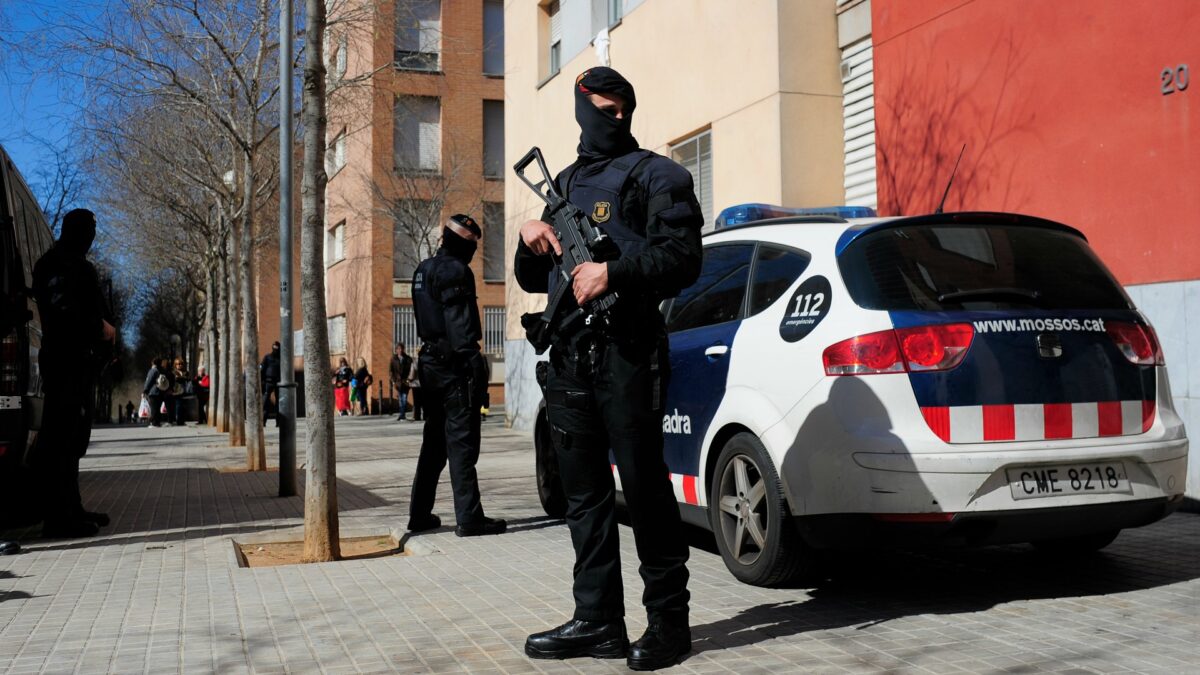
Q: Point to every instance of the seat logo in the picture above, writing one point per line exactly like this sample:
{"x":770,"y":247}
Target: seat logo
{"x":601,"y":212}
{"x":1049,"y":345}
{"x":677,"y":424}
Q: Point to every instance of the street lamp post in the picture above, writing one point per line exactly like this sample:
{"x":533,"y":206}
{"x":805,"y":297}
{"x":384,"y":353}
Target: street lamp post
{"x":287,"y":384}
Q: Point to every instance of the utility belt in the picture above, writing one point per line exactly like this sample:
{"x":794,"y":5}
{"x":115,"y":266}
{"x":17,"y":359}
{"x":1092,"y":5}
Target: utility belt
{"x":629,"y":323}
{"x":584,"y":354}
{"x":438,"y":351}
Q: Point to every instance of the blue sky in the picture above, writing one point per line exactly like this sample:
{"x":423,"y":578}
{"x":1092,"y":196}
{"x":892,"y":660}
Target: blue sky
{"x":37,"y":104}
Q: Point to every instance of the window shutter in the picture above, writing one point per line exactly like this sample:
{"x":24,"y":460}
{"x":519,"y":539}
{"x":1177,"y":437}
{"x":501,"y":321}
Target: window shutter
{"x":858,"y":122}
{"x":555,"y":23}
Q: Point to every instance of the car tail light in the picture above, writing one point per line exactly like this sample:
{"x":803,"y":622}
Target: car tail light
{"x":10,"y":366}
{"x":935,"y":347}
{"x":1138,"y":343}
{"x":920,"y":349}
{"x":864,"y":355}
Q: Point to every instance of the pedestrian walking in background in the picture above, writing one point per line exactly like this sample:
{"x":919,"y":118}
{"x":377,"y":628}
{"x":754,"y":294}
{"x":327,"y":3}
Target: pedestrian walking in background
{"x":270,"y":369}
{"x":75,"y":324}
{"x":453,"y":379}
{"x":341,"y":387}
{"x":157,"y":389}
{"x":399,"y":371}
{"x":130,"y":415}
{"x":179,"y":391}
{"x":201,"y":385}
{"x":363,"y":381}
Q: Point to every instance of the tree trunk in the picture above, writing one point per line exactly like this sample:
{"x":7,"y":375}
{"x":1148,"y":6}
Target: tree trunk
{"x":235,"y":382}
{"x":221,"y":397}
{"x":320,"y":494}
{"x":211,"y":356}
{"x":256,"y":452}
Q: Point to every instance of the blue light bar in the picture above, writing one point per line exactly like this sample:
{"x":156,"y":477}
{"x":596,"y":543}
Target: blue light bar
{"x":748,"y":213}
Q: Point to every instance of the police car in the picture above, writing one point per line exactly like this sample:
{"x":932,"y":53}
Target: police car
{"x":839,"y":380}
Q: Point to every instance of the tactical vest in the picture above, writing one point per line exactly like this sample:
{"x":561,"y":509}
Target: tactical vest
{"x":597,"y":192}
{"x":431,"y":319}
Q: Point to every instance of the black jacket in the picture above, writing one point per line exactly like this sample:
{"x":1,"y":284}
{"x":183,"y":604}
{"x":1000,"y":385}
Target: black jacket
{"x":660,"y":197}
{"x":70,"y":303}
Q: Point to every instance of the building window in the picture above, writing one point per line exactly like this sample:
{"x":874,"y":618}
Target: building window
{"x":415,"y":232}
{"x":493,"y":139}
{"x":418,"y":34}
{"x":493,"y":331}
{"x":695,"y":154}
{"x":337,"y":334}
{"x":335,"y":243}
{"x":335,"y":157}
{"x":417,"y":141}
{"x":493,"y":241}
{"x":493,"y":37}
{"x":404,"y":328}
{"x":554,"y":10}
{"x":340,"y":59}
{"x":615,"y":12}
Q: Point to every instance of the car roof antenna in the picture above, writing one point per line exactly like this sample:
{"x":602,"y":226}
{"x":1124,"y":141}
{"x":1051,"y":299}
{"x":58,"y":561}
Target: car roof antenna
{"x":951,"y":181}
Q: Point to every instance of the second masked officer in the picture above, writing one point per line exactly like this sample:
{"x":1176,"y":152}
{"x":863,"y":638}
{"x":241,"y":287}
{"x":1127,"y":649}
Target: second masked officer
{"x":605,"y":387}
{"x":454,"y":379}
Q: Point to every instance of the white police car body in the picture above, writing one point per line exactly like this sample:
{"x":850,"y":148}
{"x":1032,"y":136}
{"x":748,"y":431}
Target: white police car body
{"x":970,"y":377}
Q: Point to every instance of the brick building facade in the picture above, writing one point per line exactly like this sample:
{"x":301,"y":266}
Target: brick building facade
{"x":415,"y":135}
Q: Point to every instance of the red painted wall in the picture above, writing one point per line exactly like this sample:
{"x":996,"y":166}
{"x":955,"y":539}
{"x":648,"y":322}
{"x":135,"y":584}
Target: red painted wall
{"x":1060,"y":106}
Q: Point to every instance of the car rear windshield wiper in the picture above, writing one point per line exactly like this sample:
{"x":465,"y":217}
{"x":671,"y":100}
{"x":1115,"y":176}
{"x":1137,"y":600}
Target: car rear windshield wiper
{"x":1002,"y":292}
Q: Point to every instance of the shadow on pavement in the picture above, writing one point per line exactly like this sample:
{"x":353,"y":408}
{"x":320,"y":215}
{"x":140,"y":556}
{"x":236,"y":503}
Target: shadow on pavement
{"x":885,"y":585}
{"x":178,"y":504}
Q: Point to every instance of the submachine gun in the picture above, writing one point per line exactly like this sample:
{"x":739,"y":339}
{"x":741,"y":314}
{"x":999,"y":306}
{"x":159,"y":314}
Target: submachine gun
{"x":581,"y":242}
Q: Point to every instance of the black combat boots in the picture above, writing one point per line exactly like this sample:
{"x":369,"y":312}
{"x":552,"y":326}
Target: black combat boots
{"x":486,"y":526}
{"x":664,"y":644}
{"x":599,"y":639}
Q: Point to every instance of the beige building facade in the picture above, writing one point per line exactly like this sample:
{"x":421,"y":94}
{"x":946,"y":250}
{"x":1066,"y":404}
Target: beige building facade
{"x":747,"y":95}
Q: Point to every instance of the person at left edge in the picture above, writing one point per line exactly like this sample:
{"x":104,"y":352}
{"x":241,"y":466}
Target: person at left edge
{"x":75,"y":321}
{"x":453,"y":381}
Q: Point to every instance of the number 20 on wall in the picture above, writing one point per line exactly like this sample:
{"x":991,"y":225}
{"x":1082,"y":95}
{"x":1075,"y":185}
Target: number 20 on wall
{"x":1175,"y":79}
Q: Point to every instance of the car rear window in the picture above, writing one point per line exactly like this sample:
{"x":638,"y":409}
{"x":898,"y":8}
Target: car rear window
{"x":977,"y":267}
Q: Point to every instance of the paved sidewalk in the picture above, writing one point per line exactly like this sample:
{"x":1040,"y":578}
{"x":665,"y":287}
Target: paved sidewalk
{"x":159,"y":592}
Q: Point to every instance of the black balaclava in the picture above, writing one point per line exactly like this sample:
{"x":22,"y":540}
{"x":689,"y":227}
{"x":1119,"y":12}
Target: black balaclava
{"x":457,"y":246}
{"x":602,"y":135}
{"x":78,"y":232}
{"x":275,"y":348}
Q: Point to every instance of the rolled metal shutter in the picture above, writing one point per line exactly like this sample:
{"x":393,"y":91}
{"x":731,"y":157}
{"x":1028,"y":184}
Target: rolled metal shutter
{"x":858,"y":123}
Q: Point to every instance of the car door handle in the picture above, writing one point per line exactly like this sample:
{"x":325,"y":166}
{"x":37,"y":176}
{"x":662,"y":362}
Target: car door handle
{"x":716,"y":351}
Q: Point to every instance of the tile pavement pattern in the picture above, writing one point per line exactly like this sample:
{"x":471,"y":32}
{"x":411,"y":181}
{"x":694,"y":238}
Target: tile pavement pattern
{"x":157,"y":592}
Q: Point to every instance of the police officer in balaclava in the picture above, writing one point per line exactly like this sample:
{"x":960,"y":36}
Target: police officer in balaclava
{"x":605,"y":384}
{"x":75,"y":324}
{"x":453,"y":376}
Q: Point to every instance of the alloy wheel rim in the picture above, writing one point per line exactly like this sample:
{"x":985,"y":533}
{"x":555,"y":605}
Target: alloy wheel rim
{"x":744,"y":515}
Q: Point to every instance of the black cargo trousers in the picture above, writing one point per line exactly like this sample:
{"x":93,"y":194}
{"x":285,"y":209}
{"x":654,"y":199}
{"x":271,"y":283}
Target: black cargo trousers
{"x":602,"y":395}
{"x":452,"y":428}
{"x":70,"y":401}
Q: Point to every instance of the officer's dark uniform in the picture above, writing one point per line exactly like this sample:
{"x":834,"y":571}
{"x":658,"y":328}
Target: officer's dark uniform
{"x":605,"y":388}
{"x":72,"y":310}
{"x":454,"y":382}
{"x":270,"y":378}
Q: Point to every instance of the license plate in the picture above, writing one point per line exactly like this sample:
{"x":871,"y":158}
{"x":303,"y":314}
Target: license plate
{"x":1058,"y":480}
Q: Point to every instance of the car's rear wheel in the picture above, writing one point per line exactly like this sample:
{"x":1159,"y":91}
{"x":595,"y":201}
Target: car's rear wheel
{"x":549,"y":485}
{"x":1081,"y":545}
{"x":750,"y":518}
